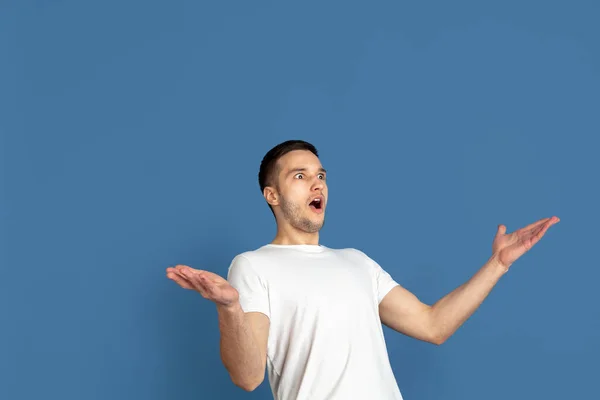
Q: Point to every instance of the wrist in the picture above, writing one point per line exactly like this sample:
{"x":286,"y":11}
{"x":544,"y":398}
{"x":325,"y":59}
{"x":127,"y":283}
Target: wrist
{"x":497,"y":265}
{"x":231,"y":308}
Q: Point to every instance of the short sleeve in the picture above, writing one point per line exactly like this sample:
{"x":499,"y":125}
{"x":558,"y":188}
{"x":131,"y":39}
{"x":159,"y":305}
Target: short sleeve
{"x":250,"y":286}
{"x":383,"y":281}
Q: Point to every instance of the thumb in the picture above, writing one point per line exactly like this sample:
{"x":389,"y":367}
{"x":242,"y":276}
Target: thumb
{"x":501,"y":229}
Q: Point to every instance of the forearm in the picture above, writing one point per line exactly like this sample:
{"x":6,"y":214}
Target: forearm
{"x":450,"y":312}
{"x":240,"y":352}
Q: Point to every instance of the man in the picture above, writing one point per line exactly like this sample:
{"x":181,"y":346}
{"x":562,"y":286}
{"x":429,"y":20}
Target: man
{"x":312,"y":316}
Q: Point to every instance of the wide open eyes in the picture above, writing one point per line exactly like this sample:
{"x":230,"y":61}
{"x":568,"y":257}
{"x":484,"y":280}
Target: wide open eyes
{"x":301,"y":176}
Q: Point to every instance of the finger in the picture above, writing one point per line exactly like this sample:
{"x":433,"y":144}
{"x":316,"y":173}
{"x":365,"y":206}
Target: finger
{"x":179,"y":280}
{"x":501,"y":229}
{"x":180,"y":268}
{"x":535,"y":225}
{"x":539,"y":232}
{"x":174,"y":270}
{"x":200,"y":282}
{"x":185,"y":272}
{"x":193,"y":273}
{"x":190,"y":276}
{"x":207,"y":289}
{"x":179,"y":272}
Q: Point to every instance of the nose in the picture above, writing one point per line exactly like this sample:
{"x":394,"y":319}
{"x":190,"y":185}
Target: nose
{"x":318,"y":184}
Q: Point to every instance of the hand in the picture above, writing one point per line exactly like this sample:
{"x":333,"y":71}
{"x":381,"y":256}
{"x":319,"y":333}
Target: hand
{"x":210,"y":286}
{"x":509,"y":247}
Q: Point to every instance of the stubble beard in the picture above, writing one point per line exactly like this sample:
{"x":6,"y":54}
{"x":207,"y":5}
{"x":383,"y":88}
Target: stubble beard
{"x":292,"y":212}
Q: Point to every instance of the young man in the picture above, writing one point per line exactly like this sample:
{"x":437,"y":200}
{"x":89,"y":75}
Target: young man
{"x":312,"y":316}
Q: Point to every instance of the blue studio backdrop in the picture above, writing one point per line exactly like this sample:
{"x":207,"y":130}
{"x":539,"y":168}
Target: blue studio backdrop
{"x":132,"y":133}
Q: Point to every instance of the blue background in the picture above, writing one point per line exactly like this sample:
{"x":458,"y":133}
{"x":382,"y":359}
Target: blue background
{"x":132,"y":133}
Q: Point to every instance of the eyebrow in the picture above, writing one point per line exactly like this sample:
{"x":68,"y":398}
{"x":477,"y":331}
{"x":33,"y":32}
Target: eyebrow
{"x":302,"y":169}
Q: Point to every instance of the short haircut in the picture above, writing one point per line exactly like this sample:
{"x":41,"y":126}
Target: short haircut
{"x":269,"y":170}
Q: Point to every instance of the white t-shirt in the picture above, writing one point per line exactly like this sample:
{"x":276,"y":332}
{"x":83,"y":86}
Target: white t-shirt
{"x":326,"y":339}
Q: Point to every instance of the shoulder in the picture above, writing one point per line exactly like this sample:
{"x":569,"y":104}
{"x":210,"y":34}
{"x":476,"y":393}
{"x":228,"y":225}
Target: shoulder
{"x":252,"y":261}
{"x":253,"y":257}
{"x":362,"y":258}
{"x":265,"y":258}
{"x":354,"y":253}
{"x":244,"y":270}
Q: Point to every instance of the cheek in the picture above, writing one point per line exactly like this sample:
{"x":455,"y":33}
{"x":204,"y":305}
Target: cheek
{"x":295,"y":193}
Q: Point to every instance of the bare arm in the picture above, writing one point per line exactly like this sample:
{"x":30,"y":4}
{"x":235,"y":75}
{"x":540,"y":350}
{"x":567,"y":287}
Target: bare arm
{"x":243,"y":345}
{"x":244,"y":336}
{"x":450,"y":312}
{"x":404,"y":312}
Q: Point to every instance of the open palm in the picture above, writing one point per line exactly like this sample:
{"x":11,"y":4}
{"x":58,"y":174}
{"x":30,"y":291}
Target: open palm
{"x":509,"y":247}
{"x":210,"y":285}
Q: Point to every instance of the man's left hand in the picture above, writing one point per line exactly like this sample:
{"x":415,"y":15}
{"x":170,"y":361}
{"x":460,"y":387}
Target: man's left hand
{"x":509,"y":247}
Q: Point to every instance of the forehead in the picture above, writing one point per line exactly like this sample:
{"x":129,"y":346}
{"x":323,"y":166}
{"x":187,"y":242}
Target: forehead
{"x":299,"y":159}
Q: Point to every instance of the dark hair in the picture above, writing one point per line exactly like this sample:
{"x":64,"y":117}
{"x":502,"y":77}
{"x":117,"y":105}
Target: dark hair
{"x":269,"y":171}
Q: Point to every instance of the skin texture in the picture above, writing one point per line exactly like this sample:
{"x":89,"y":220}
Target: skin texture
{"x":403,"y":312}
{"x":244,"y":336}
{"x":300,"y":177}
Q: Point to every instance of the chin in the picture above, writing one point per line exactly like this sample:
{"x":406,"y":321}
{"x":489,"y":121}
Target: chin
{"x":311,"y":225}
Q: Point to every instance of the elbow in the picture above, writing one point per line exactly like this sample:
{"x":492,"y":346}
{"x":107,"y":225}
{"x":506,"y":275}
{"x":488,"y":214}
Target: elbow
{"x":248,"y":385}
{"x":251,"y":387}
{"x":437,"y":333}
{"x":438,"y":338}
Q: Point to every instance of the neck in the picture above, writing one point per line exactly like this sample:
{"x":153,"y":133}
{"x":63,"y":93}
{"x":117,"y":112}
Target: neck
{"x":289,"y":235}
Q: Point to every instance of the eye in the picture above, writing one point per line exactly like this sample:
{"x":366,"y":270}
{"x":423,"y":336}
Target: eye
{"x":299,"y":175}
{"x":321,"y":176}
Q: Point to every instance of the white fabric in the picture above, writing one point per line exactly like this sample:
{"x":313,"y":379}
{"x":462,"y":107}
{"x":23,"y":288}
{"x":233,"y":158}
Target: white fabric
{"x":326,"y":340}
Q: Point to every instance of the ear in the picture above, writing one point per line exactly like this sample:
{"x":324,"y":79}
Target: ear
{"x":271,"y":196}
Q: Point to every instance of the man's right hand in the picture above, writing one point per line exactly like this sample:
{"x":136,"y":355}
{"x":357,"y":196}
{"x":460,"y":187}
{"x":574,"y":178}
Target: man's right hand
{"x":211,"y":286}
{"x":244,"y":336}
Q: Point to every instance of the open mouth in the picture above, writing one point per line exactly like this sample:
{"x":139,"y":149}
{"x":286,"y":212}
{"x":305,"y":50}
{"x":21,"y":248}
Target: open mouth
{"x":316,"y":204}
